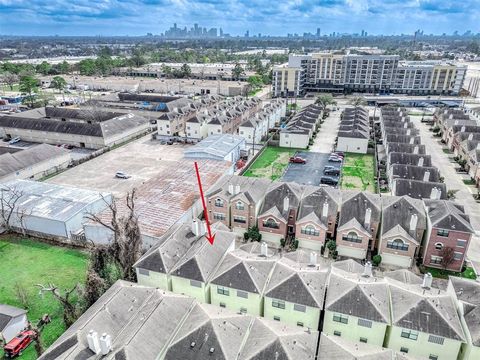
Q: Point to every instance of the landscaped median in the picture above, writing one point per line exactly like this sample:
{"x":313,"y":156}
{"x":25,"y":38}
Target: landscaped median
{"x":26,"y":263}
{"x":358,"y":172}
{"x":271,"y":164}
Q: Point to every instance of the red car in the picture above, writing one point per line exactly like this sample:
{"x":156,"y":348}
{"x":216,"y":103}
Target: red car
{"x":19,"y":343}
{"x":298,"y":160}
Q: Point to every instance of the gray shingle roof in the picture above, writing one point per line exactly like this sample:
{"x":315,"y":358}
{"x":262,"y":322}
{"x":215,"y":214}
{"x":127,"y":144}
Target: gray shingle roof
{"x":448,"y":215}
{"x":355,"y":204}
{"x":414,"y":172}
{"x":427,"y":310}
{"x":313,"y":200}
{"x":277,"y":192}
{"x":242,"y":271}
{"x":353,"y":294}
{"x":409,"y":159}
{"x":7,"y":313}
{"x":418,"y":189}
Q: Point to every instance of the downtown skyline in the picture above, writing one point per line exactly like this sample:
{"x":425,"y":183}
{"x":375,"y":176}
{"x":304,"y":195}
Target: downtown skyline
{"x":137,"y":17}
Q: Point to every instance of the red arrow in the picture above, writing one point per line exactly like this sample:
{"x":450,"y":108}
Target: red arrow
{"x":210,"y":237}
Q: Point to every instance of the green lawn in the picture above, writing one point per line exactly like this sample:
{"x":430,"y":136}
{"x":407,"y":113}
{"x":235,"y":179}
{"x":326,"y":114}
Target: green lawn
{"x":29,"y":262}
{"x":271,"y":163}
{"x":358,"y":172}
{"x":469,"y":273}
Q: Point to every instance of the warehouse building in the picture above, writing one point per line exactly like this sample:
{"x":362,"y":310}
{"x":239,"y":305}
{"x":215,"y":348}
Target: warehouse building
{"x":85,"y":128}
{"x":48,"y":210}
{"x":33,"y":163}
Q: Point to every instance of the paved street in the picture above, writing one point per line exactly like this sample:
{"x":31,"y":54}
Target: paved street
{"x":454,"y":182}
{"x":328,"y":132}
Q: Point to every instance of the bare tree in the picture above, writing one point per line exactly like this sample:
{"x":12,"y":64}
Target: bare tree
{"x":67,"y":300}
{"x":448,"y":254}
{"x":36,"y":333}
{"x":126,"y":247}
{"x":9,"y":198}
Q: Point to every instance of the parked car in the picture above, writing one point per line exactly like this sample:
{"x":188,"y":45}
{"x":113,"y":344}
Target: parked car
{"x":334,"y":172}
{"x":19,"y":343}
{"x":122,"y":175}
{"x":335,"y":159}
{"x":298,"y":160}
{"x":14,"y":140}
{"x":328,"y":180}
{"x":169,"y":142}
{"x":337,"y":155}
{"x":341,"y":153}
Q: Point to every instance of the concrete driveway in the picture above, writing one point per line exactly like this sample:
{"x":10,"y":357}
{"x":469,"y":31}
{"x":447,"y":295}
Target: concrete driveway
{"x":453,"y":180}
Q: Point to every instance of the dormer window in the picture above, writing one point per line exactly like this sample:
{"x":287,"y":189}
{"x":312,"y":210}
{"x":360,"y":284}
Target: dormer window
{"x":218,"y":202}
{"x":240,"y":205}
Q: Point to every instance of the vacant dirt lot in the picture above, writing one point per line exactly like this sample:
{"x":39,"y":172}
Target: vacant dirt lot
{"x":143,"y":159}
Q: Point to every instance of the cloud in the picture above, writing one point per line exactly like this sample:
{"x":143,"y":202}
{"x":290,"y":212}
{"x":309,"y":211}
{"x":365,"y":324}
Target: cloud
{"x":136,"y":17}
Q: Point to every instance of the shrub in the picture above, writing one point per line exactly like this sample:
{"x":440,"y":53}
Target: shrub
{"x":331,"y":245}
{"x":282,"y":242}
{"x":376,"y":260}
{"x":246,"y":236}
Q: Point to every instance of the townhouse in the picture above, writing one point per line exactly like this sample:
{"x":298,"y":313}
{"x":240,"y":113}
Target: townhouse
{"x":296,"y":290}
{"x":402,"y":230}
{"x":425,"y":323}
{"x":317,"y":216}
{"x":358,"y":223}
{"x":240,"y":280}
{"x":278,"y":212}
{"x":357,"y":306}
{"x":419,"y":189}
{"x":354,"y":131}
{"x":184,"y":261}
{"x":299,"y":130}
{"x":413,"y":172}
{"x":138,"y":322}
{"x":448,"y":235}
{"x":466,"y":292}
{"x":236,"y":202}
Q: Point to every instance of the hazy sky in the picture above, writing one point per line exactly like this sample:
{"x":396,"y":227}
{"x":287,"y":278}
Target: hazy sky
{"x":273,"y":17}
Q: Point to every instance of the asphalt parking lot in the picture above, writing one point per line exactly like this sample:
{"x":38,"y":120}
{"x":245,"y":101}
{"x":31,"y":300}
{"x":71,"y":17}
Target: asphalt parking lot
{"x":311,"y":172}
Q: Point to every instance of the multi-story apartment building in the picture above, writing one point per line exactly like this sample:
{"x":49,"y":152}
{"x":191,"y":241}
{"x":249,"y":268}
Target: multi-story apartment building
{"x":366,"y":73}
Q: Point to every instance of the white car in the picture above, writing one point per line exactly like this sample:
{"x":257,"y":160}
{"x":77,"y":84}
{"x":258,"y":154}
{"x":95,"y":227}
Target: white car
{"x":122,"y":175}
{"x":14,"y":140}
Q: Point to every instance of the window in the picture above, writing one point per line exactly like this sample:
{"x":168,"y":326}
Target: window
{"x":240,"y":219}
{"x":270,"y":223}
{"x":337,"y":333}
{"x":461,"y":243}
{"x":438,"y":246}
{"x":436,"y":260}
{"x":404,"y":350}
{"x":195,"y":283}
{"x":364,"y":323}
{"x":441,"y":232}
{"x":352,"y":237}
{"x":340,"y":318}
{"x":219,"y":216}
{"x":298,"y":307}
{"x":409,"y":334}
{"x":433,"y":357}
{"x":436,"y":339}
{"x":310,"y":230}
{"x":144,"y":272}
{"x":457,"y":255}
{"x":240,"y":205}
{"x":243,"y":310}
{"x":299,"y":323}
{"x":242,"y":294}
{"x":363,"y":340}
{"x":397,"y":244}
{"x":279,"y":304}
{"x":223,"y":305}
{"x":218,"y":202}
{"x":276,"y":318}
{"x":223,"y":291}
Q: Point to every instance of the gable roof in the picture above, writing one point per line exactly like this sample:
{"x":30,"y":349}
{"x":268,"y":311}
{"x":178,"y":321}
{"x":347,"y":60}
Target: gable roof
{"x":8,"y":313}
{"x":408,"y":159}
{"x":354,"y":206}
{"x":414,"y":172}
{"x":312,"y":203}
{"x":418,"y":189}
{"x":275,"y":196}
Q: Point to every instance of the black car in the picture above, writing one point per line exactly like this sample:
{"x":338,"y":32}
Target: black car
{"x":328,"y":180}
{"x":334,"y":172}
